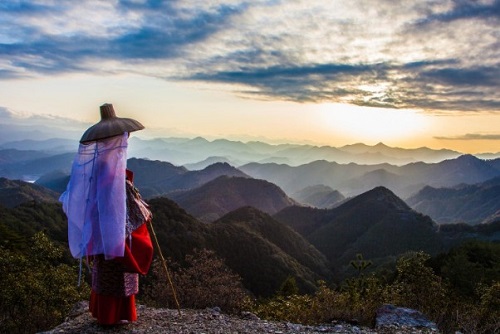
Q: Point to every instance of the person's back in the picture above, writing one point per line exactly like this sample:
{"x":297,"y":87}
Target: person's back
{"x":98,"y":203}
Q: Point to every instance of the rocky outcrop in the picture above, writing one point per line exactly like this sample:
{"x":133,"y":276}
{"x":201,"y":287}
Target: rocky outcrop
{"x":165,"y":321}
{"x":392,"y":317}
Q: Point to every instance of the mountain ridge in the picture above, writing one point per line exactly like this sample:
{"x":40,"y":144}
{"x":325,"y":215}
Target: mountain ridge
{"x":226,"y":193}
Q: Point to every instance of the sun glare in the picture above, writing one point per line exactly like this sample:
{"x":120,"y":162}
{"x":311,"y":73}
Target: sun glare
{"x":374,"y":124}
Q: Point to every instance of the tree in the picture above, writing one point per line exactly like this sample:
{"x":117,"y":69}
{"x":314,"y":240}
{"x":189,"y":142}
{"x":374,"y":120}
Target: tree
{"x":204,"y":282}
{"x":36,"y":286}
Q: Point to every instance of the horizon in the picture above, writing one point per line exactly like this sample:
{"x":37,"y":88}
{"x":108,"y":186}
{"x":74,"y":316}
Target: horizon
{"x":424,"y":74}
{"x":73,"y":130}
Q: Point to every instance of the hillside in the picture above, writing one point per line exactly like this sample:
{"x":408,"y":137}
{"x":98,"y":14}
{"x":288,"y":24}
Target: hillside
{"x":471,"y":204}
{"x":262,"y":251}
{"x":318,"y":196}
{"x":265,"y":252}
{"x":377,"y":224}
{"x":16,"y":192}
{"x":224,"y":194}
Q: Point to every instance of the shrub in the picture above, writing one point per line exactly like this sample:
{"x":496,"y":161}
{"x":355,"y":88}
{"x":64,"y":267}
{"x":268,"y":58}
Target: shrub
{"x":36,"y":286}
{"x":204,"y":282}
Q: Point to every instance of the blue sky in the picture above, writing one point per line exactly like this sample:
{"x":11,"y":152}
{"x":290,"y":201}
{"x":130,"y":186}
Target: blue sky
{"x":291,"y":70}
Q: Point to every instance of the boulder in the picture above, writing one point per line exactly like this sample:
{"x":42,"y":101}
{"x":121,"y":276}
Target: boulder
{"x":402,"y":317}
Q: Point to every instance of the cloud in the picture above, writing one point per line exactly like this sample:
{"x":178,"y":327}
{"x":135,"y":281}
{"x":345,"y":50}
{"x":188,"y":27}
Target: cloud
{"x":467,"y":9}
{"x":472,"y":136}
{"x":431,"y":55}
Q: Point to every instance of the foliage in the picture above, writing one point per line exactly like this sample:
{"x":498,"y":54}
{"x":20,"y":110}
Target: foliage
{"x":289,"y":287}
{"x":414,"y":284}
{"x":205,"y":282}
{"x":36,"y":286}
{"x":418,"y":287}
{"x":470,"y":265}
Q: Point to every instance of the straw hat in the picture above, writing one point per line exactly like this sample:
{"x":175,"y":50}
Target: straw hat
{"x":109,"y":125}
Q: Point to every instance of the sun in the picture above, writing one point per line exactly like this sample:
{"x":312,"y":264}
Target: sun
{"x":371,"y":125}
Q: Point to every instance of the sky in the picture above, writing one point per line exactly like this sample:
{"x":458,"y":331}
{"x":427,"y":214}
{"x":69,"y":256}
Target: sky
{"x":405,"y":73}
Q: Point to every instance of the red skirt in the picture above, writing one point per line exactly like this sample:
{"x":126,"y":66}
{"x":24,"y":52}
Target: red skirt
{"x":110,"y":309}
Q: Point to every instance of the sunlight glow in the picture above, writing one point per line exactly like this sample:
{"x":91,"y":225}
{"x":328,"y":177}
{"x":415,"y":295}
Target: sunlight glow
{"x":374,"y":124}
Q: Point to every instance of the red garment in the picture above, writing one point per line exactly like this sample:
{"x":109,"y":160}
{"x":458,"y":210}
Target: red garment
{"x":110,"y":309}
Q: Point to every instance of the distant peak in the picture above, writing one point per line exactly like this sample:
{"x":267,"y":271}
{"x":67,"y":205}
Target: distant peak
{"x":199,"y":139}
{"x":382,"y":194}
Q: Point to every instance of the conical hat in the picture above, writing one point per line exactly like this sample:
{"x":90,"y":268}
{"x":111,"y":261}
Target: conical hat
{"x":109,"y":125}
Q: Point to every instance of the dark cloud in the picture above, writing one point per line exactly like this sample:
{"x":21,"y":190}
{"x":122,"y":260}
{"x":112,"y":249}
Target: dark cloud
{"x":164,"y":36}
{"x":23,"y":7}
{"x":168,"y":33}
{"x":480,"y":76}
{"x":472,"y":136}
{"x":466,"y":9}
{"x":426,"y":85}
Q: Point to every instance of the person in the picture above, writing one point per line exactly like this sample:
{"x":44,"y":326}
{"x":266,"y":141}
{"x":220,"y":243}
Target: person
{"x":107,"y":218}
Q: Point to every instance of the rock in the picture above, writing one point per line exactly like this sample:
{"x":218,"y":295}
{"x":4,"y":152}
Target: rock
{"x":214,"y":321}
{"x":389,"y":316}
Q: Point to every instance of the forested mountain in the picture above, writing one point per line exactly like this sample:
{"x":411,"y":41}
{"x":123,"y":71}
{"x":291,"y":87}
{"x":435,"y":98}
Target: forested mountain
{"x":471,"y":204}
{"x":318,"y":196}
{"x":377,"y":224}
{"x":263,"y":251}
{"x":224,"y":194}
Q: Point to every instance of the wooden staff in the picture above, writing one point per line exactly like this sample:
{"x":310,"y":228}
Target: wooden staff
{"x":166,"y":269}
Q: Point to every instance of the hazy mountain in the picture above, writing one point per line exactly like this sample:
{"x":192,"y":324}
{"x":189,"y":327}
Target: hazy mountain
{"x":262,"y":251}
{"x":10,"y":156}
{"x":156,"y":178}
{"x":224,"y":194}
{"x":56,"y":181}
{"x":471,"y":204}
{"x":403,"y":154}
{"x":52,"y":145}
{"x":293,"y":179}
{"x":207,"y":162}
{"x":377,"y":224}
{"x":318,"y":196}
{"x":152,"y":178}
{"x":32,"y":169}
{"x":465,"y":169}
{"x":185,"y":151}
{"x":10,"y":132}
{"x":352,"y":179}
{"x":495,"y":163}
{"x":16,"y":192}
{"x":194,"y":179}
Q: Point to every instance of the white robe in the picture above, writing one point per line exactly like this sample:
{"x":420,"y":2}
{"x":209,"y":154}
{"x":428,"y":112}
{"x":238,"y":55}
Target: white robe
{"x":95,"y":199}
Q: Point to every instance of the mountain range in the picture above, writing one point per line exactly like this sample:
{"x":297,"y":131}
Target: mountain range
{"x":353,"y":179}
{"x":320,"y":184}
{"x":304,"y":242}
{"x":198,"y":153}
{"x":471,"y":204}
